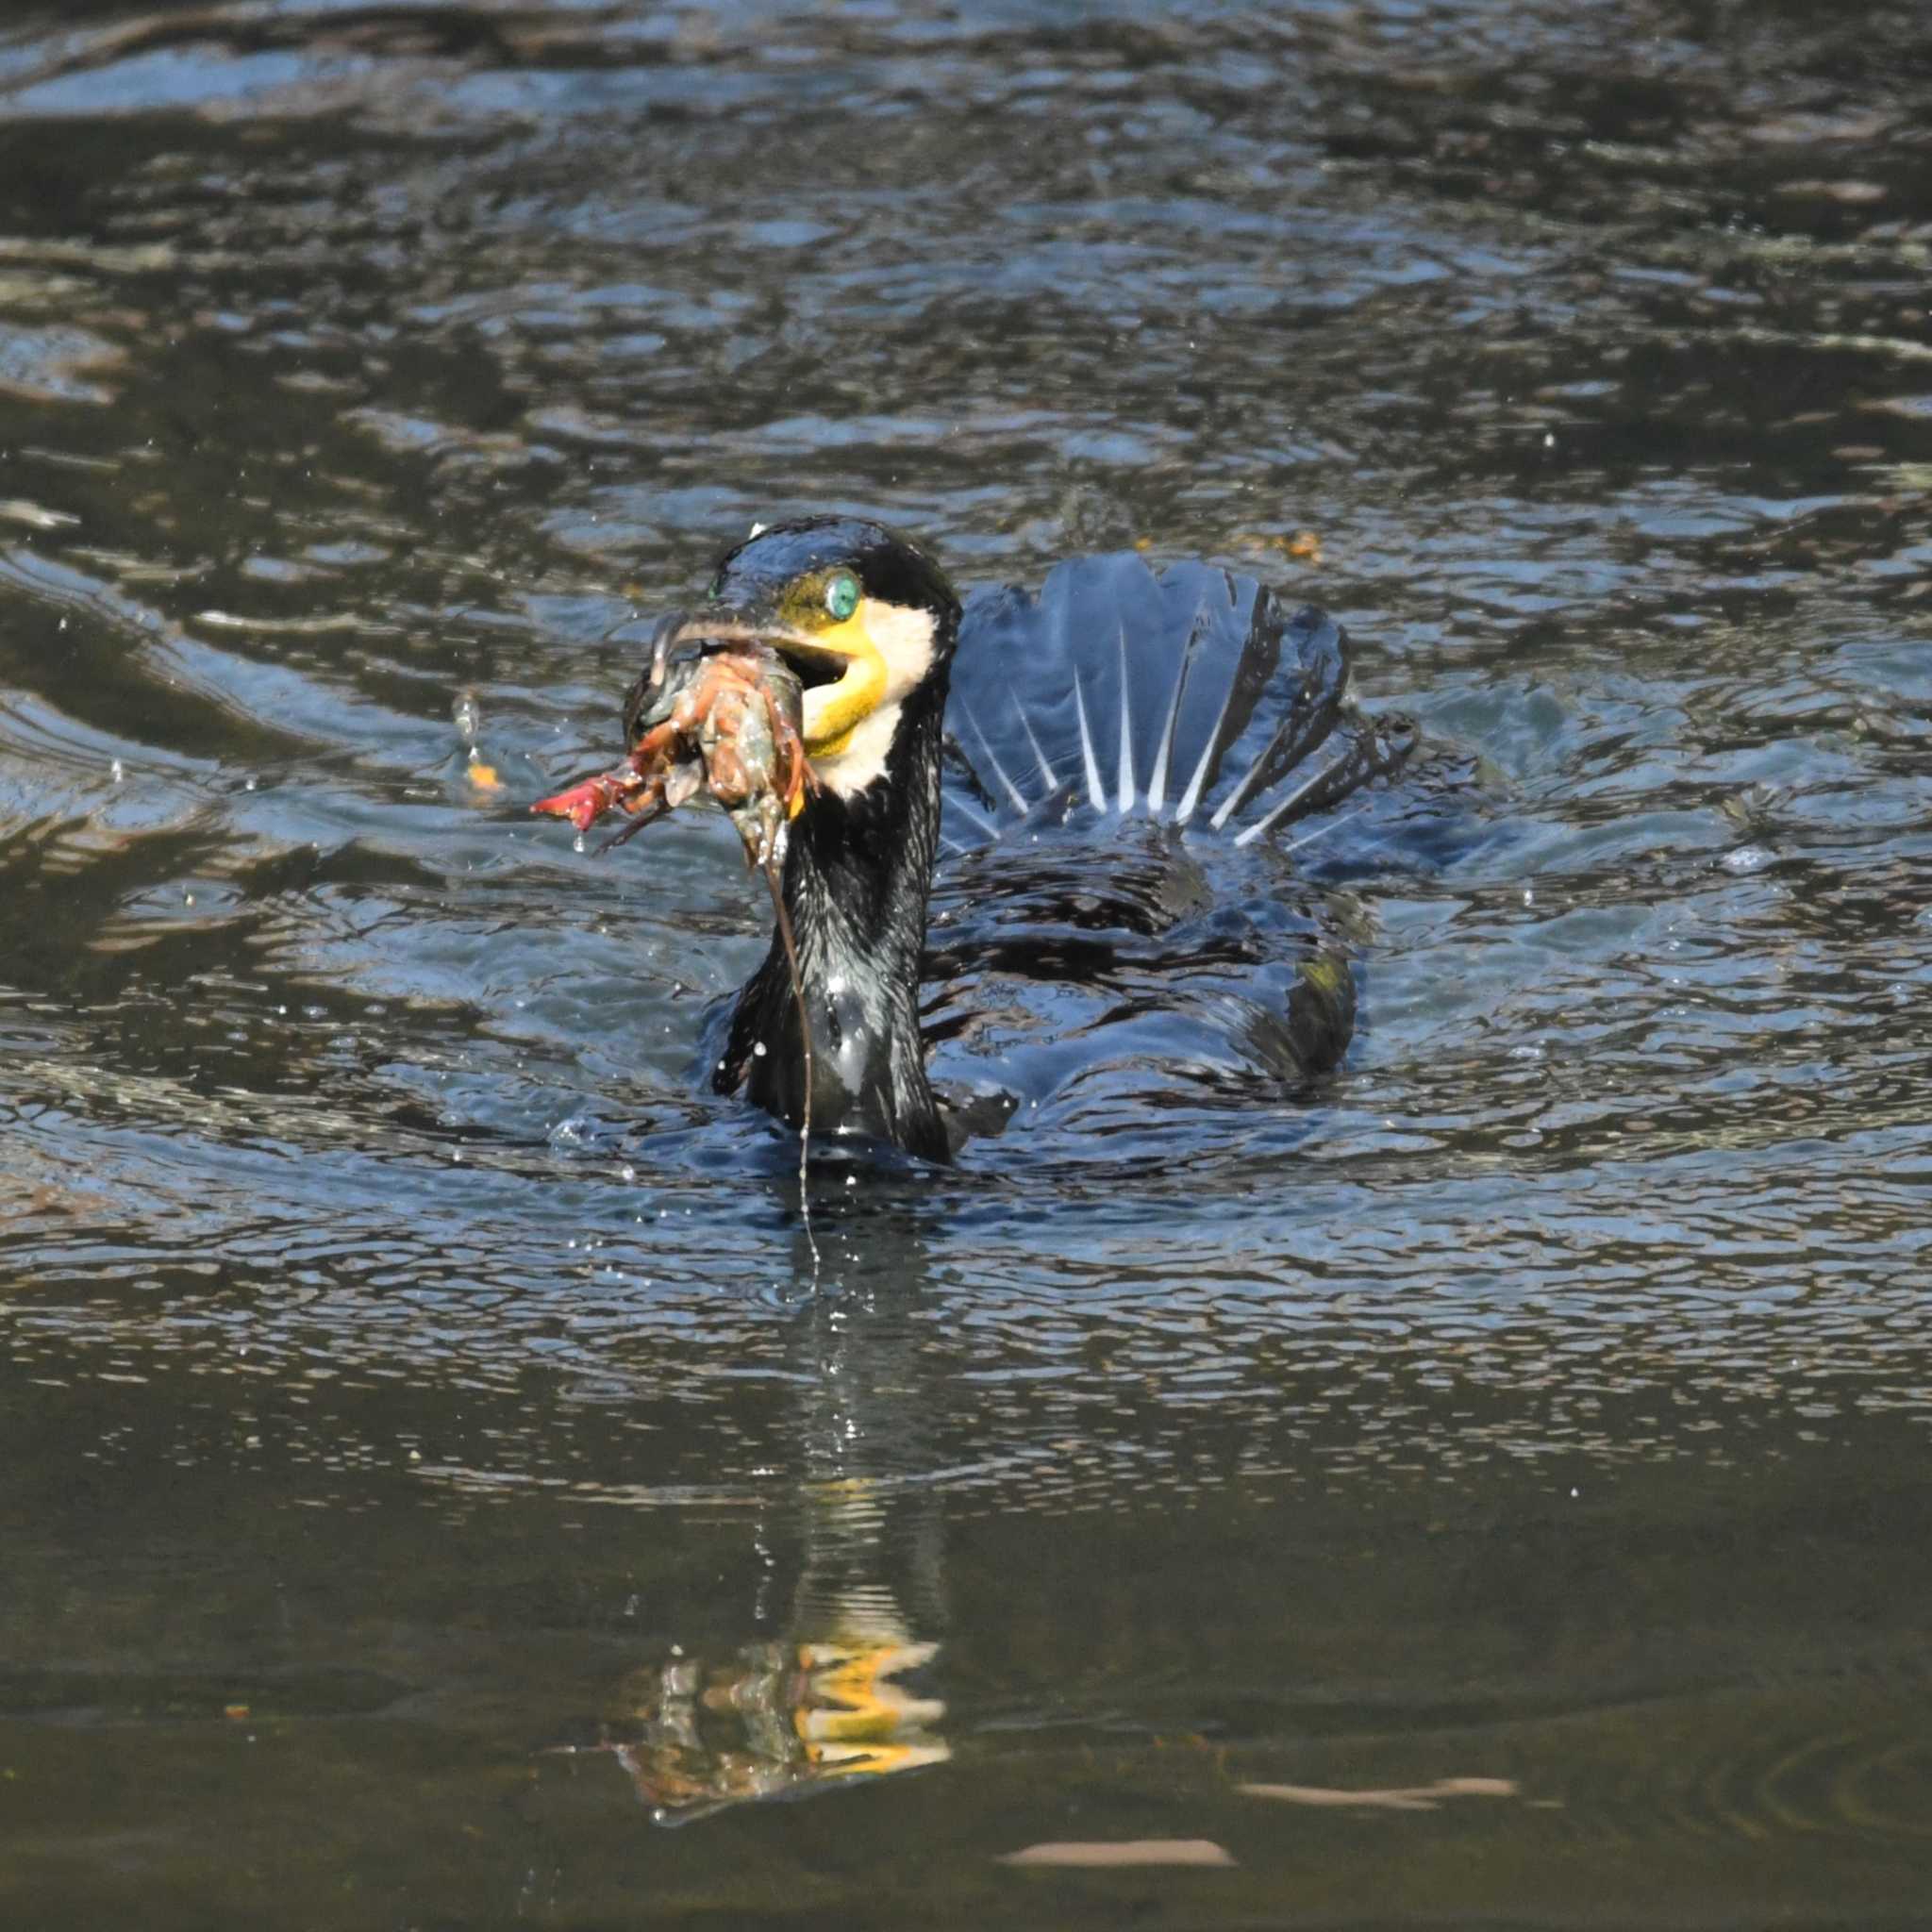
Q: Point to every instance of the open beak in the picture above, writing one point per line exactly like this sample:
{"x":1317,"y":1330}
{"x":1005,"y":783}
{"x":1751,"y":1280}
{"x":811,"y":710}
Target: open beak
{"x":720,"y":710}
{"x":840,"y":667}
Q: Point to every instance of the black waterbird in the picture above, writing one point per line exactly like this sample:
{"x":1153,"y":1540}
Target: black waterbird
{"x":1103,"y":773}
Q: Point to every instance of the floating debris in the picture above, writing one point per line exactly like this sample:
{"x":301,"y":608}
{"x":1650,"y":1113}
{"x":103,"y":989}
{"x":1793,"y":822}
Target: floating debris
{"x":1390,"y":1798}
{"x":1119,"y":1853}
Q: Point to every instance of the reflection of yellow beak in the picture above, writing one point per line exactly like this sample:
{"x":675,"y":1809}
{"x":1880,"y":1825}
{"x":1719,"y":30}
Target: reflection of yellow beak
{"x":834,"y":711}
{"x":855,"y":1719}
{"x":875,"y":1760}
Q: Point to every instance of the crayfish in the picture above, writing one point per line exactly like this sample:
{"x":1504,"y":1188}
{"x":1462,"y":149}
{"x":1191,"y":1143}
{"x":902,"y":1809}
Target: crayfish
{"x":724,"y":722}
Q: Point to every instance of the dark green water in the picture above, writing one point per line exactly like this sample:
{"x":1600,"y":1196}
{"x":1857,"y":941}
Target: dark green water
{"x":426,"y":1476}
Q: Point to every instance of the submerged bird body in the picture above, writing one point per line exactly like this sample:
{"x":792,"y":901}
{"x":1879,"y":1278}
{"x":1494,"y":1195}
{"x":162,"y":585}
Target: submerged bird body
{"x":1104,"y":776}
{"x":1125,"y":927}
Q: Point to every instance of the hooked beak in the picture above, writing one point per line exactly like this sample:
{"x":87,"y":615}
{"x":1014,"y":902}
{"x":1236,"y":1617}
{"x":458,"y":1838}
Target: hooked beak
{"x":840,"y":667}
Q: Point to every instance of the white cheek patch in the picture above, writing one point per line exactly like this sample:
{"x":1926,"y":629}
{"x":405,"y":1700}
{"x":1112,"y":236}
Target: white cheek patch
{"x":904,"y":639}
{"x":863,"y":759}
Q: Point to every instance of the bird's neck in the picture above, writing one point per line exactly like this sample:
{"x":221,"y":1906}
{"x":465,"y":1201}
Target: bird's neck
{"x":857,"y":878}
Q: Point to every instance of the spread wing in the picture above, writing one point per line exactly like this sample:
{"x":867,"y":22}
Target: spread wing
{"x":1191,"y":696}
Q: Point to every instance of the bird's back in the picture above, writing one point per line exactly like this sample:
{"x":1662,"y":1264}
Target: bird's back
{"x":1119,"y":930}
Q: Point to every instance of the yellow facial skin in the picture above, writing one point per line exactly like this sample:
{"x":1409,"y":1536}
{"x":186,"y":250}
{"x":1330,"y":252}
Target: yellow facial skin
{"x":833,"y":711}
{"x":879,"y":653}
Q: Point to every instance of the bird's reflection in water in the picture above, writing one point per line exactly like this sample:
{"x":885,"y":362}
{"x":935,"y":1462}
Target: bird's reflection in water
{"x":836,"y":1698}
{"x":779,"y":1717}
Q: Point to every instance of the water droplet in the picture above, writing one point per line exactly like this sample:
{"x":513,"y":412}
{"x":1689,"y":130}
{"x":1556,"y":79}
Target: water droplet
{"x":758,"y":1051}
{"x":468,"y":714}
{"x":118,"y":770}
{"x":576,"y":844}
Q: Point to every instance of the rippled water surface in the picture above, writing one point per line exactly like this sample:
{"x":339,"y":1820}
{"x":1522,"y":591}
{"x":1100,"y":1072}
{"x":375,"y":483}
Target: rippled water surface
{"x":1490,"y":1490}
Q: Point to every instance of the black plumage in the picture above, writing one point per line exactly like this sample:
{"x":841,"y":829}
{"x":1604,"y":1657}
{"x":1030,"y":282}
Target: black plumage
{"x":1107,"y":772}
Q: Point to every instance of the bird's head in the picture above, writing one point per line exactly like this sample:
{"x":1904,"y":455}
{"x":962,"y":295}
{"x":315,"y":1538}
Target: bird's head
{"x":861,"y":614}
{"x":818,"y":664}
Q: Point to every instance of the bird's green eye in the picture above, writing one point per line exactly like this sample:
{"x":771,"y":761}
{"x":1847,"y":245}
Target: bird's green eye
{"x":841,"y":595}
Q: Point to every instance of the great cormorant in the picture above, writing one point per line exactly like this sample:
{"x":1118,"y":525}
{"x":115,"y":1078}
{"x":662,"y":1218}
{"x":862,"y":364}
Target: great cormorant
{"x":1085,"y":759}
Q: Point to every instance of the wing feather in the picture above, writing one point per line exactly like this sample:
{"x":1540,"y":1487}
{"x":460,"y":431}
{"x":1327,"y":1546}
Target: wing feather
{"x":1209,"y":677}
{"x":1094,"y":794}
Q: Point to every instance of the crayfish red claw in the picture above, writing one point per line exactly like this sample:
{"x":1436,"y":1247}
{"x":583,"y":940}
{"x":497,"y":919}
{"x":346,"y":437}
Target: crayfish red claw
{"x":730,"y":730}
{"x":585,"y":802}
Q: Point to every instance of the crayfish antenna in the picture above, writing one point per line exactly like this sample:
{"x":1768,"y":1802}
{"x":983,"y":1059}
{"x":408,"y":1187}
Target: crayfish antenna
{"x":631,"y":830}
